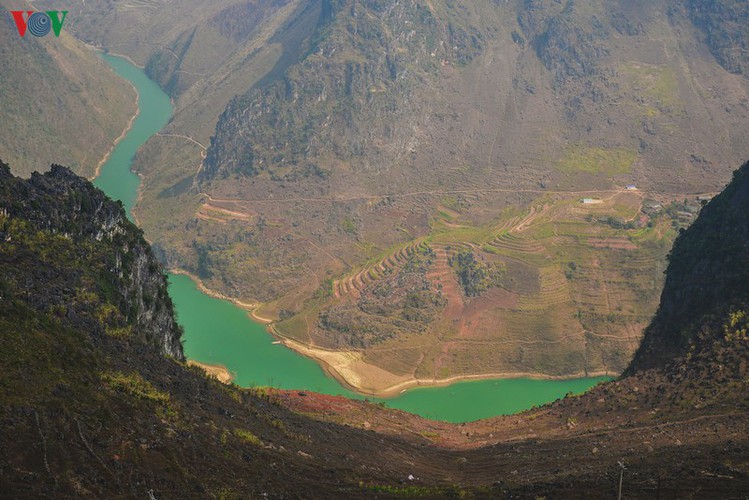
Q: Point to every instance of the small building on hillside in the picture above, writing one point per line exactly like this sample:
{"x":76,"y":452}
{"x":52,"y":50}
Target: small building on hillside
{"x":631,"y":187}
{"x":591,"y":201}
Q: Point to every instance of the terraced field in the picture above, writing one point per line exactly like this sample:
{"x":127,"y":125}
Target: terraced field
{"x":578,"y":283}
{"x":354,"y":283}
{"x":222,"y":212}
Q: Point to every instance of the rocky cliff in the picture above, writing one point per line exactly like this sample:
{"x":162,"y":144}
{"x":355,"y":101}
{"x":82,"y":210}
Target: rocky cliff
{"x":724,"y":24}
{"x":116,"y":279}
{"x":705,"y":298}
{"x":352,"y":89}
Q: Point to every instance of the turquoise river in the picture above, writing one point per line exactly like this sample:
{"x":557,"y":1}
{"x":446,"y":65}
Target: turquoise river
{"x":219,"y":333}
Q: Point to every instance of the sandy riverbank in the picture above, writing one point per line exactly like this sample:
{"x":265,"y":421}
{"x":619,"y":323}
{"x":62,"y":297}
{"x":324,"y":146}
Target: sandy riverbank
{"x":394,"y":390}
{"x":124,"y":133}
{"x":249,"y":307}
{"x":351,"y":370}
{"x":219,"y":372}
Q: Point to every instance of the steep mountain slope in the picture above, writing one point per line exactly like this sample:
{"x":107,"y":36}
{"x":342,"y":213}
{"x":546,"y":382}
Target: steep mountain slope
{"x":724,"y":25}
{"x":48,"y":83}
{"x":215,"y":51}
{"x":686,"y":391}
{"x":203,"y":54}
{"x":89,"y":405}
{"x":706,"y":281}
{"x":402,"y":131}
{"x":595,"y":60}
{"x":354,"y":89}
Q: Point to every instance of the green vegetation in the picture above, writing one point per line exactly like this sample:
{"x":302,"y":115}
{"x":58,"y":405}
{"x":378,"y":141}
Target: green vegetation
{"x":555,"y":267}
{"x":595,"y":160}
{"x":456,"y":203}
{"x":348,"y":225}
{"x":248,"y":437}
{"x":415,"y":491}
{"x":400,"y":301}
{"x":658,"y":84}
{"x":475,"y":277}
{"x":617,"y":222}
{"x":134,"y":385}
{"x":737,"y":326}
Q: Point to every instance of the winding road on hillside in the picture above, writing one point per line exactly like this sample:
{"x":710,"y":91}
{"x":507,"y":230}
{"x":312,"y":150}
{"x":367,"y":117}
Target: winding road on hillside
{"x":334,"y":199}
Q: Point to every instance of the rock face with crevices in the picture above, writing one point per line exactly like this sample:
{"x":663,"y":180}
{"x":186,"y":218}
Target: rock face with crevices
{"x":118,"y":278}
{"x":352,"y":87}
{"x":724,"y":24}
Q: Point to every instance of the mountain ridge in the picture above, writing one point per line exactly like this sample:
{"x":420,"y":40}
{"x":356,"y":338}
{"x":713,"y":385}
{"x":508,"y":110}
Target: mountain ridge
{"x":703,"y":285}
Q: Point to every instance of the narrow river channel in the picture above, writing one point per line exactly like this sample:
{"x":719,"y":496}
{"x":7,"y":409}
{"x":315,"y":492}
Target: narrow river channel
{"x":219,"y":333}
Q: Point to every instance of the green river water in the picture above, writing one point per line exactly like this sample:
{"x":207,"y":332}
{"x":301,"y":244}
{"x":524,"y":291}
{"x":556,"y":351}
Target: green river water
{"x":217,"y":332}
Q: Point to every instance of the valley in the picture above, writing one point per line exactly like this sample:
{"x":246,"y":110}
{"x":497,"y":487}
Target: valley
{"x":330,"y":163}
{"x":232,"y":347}
{"x":427,"y":197}
{"x":306,"y":181}
{"x":356,"y":249}
{"x":96,"y":397}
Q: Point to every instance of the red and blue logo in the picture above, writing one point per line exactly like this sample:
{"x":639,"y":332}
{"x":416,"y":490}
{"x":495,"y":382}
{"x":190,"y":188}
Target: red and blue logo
{"x":39,"y":23}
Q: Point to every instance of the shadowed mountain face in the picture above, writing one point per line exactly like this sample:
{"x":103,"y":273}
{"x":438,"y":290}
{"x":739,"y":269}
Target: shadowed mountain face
{"x":89,"y":405}
{"x":706,"y":285}
{"x":724,"y":26}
